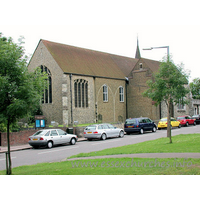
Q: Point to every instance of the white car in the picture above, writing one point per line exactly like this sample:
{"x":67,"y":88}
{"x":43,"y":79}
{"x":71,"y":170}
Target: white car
{"x":51,"y":137}
{"x":102,"y":131}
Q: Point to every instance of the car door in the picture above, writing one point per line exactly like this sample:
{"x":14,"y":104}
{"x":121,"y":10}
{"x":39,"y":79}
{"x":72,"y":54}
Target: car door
{"x":55,"y":137}
{"x":106,"y":130}
{"x":144,"y":124}
{"x":64,"y":137}
{"x":113,"y":131}
{"x":190,"y":121}
{"x":149,"y":124}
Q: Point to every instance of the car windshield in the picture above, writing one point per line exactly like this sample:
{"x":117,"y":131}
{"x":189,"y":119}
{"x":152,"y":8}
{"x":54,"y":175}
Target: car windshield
{"x":39,"y":133}
{"x":178,"y":118}
{"x":90,"y":128}
{"x":130,"y":121}
{"x":163,"y":120}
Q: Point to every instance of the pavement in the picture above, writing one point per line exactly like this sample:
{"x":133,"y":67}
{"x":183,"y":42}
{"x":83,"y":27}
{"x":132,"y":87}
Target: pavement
{"x":142,"y":155}
{"x":4,"y":149}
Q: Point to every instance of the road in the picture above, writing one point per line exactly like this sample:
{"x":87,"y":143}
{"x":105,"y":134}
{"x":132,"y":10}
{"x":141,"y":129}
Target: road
{"x":34,"y":156}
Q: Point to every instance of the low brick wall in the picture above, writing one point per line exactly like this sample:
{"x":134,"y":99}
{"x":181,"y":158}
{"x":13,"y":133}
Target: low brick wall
{"x":21,"y":137}
{"x":17,"y":138}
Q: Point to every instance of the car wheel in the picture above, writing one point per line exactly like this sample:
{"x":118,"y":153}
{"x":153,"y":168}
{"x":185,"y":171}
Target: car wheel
{"x":73,"y":141}
{"x":179,"y":126}
{"x":50,"y":144}
{"x":121,"y":134}
{"x":186,"y":124}
{"x":154,"y":129}
{"x":141,"y":131}
{"x":103,"y":137}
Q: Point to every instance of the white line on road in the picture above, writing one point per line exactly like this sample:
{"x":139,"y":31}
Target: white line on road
{"x":58,"y":150}
{"x":138,"y":136}
{"x":104,"y":142}
{"x":5,"y":159}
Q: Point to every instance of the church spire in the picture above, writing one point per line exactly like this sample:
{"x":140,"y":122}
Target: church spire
{"x":137,"y":54}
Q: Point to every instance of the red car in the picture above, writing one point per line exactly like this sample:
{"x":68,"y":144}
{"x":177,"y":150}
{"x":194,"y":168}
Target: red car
{"x":186,"y":120}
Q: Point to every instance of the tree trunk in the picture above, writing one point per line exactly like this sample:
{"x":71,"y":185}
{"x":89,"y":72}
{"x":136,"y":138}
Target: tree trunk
{"x":8,"y":165}
{"x":169,"y":121}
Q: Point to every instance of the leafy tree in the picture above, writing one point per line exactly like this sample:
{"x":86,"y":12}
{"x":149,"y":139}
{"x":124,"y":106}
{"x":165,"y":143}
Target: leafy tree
{"x":195,"y":88}
{"x":20,"y":90}
{"x":168,"y":85}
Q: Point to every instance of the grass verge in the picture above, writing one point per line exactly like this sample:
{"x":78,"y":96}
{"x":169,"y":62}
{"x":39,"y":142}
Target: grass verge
{"x":114,"y":166}
{"x":184,"y":143}
{"x":126,"y":166}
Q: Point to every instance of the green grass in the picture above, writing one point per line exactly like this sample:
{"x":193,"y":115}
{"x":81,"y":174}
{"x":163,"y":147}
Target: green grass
{"x":184,"y":143}
{"x":126,"y":166}
{"x":113,"y":166}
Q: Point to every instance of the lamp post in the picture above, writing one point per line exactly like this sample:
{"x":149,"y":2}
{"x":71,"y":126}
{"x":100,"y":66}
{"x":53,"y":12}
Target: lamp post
{"x":159,"y":48}
{"x":169,"y":117}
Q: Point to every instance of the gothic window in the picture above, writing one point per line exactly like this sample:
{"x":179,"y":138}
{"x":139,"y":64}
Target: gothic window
{"x":47,"y":96}
{"x":81,"y":93}
{"x":121,"y":94}
{"x":105,"y":93}
{"x":181,"y":105}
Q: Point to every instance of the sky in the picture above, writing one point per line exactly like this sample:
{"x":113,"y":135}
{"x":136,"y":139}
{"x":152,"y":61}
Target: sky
{"x":110,"y":26}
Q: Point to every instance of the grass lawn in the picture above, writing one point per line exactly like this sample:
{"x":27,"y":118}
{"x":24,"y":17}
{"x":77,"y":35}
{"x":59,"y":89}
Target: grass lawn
{"x":184,"y":143}
{"x":113,"y":166}
{"x":126,"y":166}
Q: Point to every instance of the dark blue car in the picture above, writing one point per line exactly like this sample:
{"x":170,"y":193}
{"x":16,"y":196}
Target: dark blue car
{"x":139,"y":125}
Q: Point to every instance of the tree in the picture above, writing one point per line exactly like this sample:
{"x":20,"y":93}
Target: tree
{"x":195,"y":88}
{"x":20,"y":90}
{"x":168,"y":85}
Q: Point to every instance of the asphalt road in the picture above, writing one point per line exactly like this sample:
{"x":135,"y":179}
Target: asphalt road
{"x":34,"y":156}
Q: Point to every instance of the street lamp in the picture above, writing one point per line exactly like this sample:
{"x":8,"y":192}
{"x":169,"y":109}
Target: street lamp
{"x":159,"y":48}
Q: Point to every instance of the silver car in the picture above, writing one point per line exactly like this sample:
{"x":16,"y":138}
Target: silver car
{"x":102,"y":131}
{"x":51,"y":137}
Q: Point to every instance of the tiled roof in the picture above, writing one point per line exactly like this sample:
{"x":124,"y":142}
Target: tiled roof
{"x":82,"y":61}
{"x":153,"y":64}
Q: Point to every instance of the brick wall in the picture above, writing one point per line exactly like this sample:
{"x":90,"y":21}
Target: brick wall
{"x":139,"y":106}
{"x":17,"y":138}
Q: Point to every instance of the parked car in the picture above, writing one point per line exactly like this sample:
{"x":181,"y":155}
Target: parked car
{"x":139,"y":125}
{"x":51,"y":137}
{"x":102,"y":131}
{"x":163,"y":123}
{"x":197,"y":117}
{"x":186,"y":120}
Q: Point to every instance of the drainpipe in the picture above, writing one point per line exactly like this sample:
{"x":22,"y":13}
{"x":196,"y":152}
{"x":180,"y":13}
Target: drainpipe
{"x":126,"y":83}
{"x":70,"y":76}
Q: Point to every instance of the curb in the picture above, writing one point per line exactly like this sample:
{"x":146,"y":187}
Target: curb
{"x":27,"y":146}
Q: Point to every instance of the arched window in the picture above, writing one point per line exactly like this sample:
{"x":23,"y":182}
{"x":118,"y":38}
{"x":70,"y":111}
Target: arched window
{"x":47,"y":97}
{"x":121,"y":94}
{"x":105,"y":93}
{"x":81,"y":93}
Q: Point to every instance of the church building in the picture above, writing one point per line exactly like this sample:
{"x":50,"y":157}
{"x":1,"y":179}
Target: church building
{"x":87,"y":86}
{"x":83,"y":85}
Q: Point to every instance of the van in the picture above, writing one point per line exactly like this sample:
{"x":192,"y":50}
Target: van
{"x":139,"y":125}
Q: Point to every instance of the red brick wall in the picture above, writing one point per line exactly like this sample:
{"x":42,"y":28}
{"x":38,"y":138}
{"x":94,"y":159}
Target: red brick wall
{"x":21,"y":137}
{"x":17,"y":138}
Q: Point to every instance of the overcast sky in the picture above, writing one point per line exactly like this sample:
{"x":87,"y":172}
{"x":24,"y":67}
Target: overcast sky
{"x":110,"y":26}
